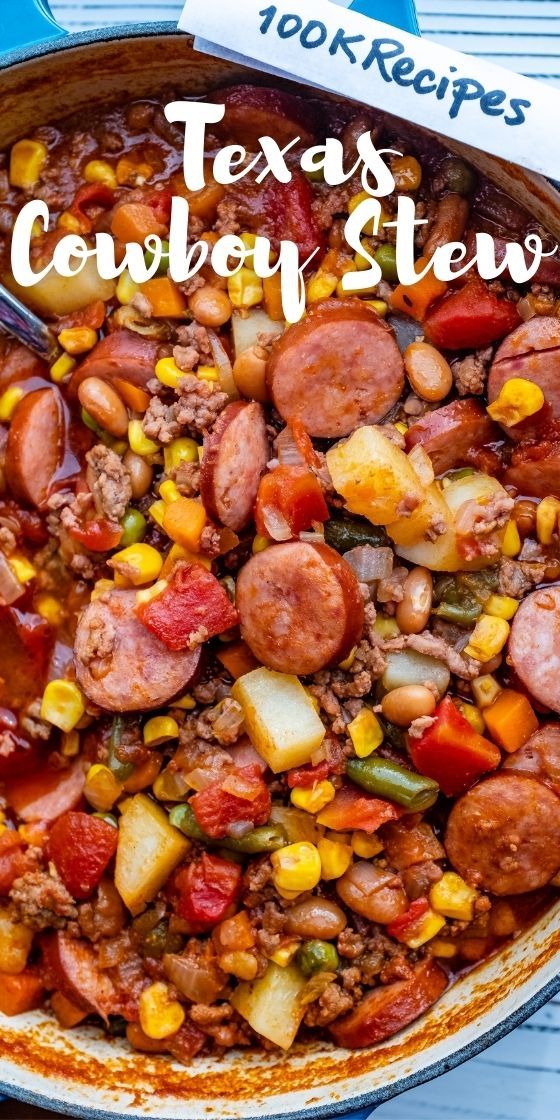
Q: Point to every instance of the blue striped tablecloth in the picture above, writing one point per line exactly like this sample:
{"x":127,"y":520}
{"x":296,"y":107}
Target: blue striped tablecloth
{"x":519,"y":1078}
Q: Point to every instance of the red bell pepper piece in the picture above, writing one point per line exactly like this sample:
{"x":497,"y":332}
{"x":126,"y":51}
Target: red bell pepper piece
{"x":80,"y":847}
{"x":13,"y":860}
{"x":207,"y":888}
{"x":452,"y":752}
{"x":351,"y":808}
{"x":290,"y":211}
{"x":470,"y":317}
{"x":295,"y":494}
{"x":193,"y":603}
{"x":403,"y":926}
{"x":96,"y":196}
{"x":241,"y":796}
{"x":98,"y":535}
{"x":306,"y":776}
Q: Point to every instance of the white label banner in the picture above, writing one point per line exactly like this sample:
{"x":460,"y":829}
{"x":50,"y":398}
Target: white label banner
{"x":326,"y":45}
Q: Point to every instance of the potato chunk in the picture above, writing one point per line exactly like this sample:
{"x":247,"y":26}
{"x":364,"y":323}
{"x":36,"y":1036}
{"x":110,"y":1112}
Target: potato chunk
{"x":280,"y":718}
{"x":374,"y":477}
{"x":149,"y":849}
{"x":272,"y":1005}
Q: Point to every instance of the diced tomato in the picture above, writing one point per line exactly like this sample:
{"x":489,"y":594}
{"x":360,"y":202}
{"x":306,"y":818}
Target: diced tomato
{"x":452,"y":752}
{"x":470,"y":317}
{"x":208,"y":887}
{"x":306,"y":776}
{"x":289,"y":208}
{"x":92,"y":196}
{"x":80,"y":847}
{"x":295,"y":494}
{"x":193,"y":602}
{"x":91,"y":316}
{"x":351,"y":808}
{"x":160,"y":203}
{"x":13,"y":860}
{"x":98,"y":535}
{"x":241,"y":796}
{"x":47,"y":793}
{"x":402,"y":927}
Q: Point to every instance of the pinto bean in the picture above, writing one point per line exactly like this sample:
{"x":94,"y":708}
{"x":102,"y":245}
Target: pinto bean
{"x":315,"y":917}
{"x":413,"y":611}
{"x":104,"y":406}
{"x":141,"y":474}
{"x":428,"y":372}
{"x":405,"y":704}
{"x":210,"y":306}
{"x":372,"y":892}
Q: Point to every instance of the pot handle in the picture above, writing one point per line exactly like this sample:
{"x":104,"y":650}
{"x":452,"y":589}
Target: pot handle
{"x":26,"y":23}
{"x":399,"y":13}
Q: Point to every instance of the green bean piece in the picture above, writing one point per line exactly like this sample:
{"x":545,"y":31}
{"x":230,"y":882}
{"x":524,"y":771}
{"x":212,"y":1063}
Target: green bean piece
{"x":348,"y":533}
{"x":317,"y":956}
{"x":267,"y":838}
{"x":134,"y":527}
{"x":459,"y":177}
{"x":121,"y":770}
{"x":387,"y":779}
{"x":463,"y":472}
{"x":393,"y":734}
{"x":460,"y":614}
{"x":163,"y":265}
{"x":386,"y":257}
{"x":108,"y":818}
{"x":183,"y":818}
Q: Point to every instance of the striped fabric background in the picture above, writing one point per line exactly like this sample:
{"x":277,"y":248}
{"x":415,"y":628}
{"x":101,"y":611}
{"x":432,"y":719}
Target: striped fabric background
{"x":521,"y":34}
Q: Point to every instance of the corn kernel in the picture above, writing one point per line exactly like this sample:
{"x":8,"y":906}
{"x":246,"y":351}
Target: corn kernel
{"x":548,"y":518}
{"x":346,"y":266}
{"x":99,"y":171}
{"x":239,"y":963}
{"x":366,"y":846}
{"x":488,"y":638}
{"x":208,"y":373}
{"x":49,"y":608}
{"x":22,"y":568}
{"x":321,"y":286}
{"x":168,"y":373}
{"x":101,"y":789}
{"x":176,"y":553}
{"x":70,"y":744}
{"x":441,"y":948}
{"x":62,"y":704}
{"x":9,"y":402}
{"x":62,"y":368}
{"x":27,"y":159}
{"x":259,"y":543}
{"x":160,"y":1016}
{"x":148,"y":593}
{"x":313,"y":799}
{"x":501,"y":606}
{"x":386,"y":628}
{"x":160,"y":729}
{"x":511,"y":545}
{"x":157,"y":510}
{"x":139,"y":563}
{"x":284,"y":954}
{"x":169,"y":492}
{"x":245,"y":289}
{"x":369,"y":229}
{"x":363,"y":260}
{"x":296,"y":868}
{"x":335,"y":857}
{"x":249,"y":240}
{"x":101,"y":587}
{"x":365,"y":732}
{"x":126,"y":288}
{"x":78,"y":340}
{"x":349,"y":661}
{"x":69,"y":221}
{"x":453,"y":898}
{"x":182,"y":450}
{"x":139,"y":443}
{"x":186,"y":703}
{"x":401,"y":427}
{"x":517,"y":399}
{"x":473,"y":716}
{"x":380,"y":306}
{"x":485,"y":690}
{"x":429,"y":925}
{"x":200,"y":453}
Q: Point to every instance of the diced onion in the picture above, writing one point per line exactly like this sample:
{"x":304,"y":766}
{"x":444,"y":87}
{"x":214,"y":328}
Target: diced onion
{"x":287,"y":450}
{"x":202,"y":777}
{"x":422,"y":464}
{"x":526,"y":308}
{"x":319,"y":755}
{"x":238,"y":829}
{"x":312,"y":537}
{"x":275,"y":524}
{"x":132,"y":319}
{"x":10,"y":587}
{"x":369,"y":563}
{"x":247,"y":328}
{"x":223,"y":365}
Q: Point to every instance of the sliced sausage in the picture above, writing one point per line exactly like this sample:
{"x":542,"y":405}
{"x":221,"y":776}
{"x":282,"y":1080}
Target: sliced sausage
{"x":255,"y":111}
{"x":47,"y":793}
{"x":534,"y":645}
{"x":388,"y":1009}
{"x":236,"y":452}
{"x":120,"y":665}
{"x":122,"y":354}
{"x":539,"y":757}
{"x":504,"y":835}
{"x":448,"y":434}
{"x":300,"y":607}
{"x":338,"y":368}
{"x":531,"y":351}
{"x":36,"y":446}
{"x":17,"y":363}
{"x":72,"y":965}
{"x":535,"y":469}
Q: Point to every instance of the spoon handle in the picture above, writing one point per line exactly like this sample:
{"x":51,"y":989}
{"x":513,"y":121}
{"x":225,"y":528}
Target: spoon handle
{"x":18,"y":320}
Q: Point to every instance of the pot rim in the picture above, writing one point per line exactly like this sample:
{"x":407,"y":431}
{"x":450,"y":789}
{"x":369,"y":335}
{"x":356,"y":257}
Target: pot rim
{"x":376,"y":1097}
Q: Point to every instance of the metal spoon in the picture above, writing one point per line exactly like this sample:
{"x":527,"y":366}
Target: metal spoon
{"x":17,"y":319}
